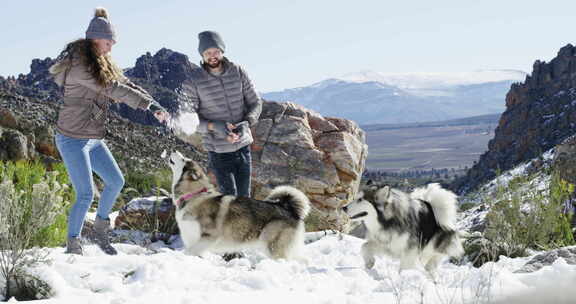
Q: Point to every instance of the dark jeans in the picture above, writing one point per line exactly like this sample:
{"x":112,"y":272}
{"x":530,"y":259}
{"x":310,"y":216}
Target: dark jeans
{"x":232,"y":171}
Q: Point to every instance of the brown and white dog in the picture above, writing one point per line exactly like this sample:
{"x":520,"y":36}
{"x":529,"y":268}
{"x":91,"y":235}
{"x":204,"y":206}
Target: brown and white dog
{"x":212,"y":222}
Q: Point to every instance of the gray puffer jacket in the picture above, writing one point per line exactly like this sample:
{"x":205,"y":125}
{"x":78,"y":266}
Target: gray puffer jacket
{"x":228,"y":97}
{"x":86,"y":102}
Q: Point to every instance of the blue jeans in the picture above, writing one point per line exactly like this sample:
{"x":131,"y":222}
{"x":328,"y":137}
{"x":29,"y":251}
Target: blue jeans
{"x":232,"y":171}
{"x":81,"y":158}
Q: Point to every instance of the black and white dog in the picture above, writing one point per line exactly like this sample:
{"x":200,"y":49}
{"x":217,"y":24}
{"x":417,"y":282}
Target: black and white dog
{"x":411,"y":227}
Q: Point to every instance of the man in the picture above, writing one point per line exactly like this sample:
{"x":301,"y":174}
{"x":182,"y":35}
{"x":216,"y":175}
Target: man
{"x":227,"y":105}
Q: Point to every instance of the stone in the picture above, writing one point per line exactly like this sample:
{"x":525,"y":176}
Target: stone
{"x":7,"y":119}
{"x":549,"y":257}
{"x":323,"y":157}
{"x":14,"y":145}
{"x":564,"y":161}
{"x":149,"y":214}
{"x":44,"y":141}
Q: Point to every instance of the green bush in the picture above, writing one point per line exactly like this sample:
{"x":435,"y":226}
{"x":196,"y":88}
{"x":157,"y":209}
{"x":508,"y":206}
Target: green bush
{"x":29,"y":179}
{"x":31,"y":208}
{"x":522,"y":218}
{"x":145,"y":182}
{"x":466,"y":206}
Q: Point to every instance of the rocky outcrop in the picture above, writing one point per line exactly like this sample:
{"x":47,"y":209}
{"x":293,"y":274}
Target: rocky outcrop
{"x":27,"y":132}
{"x":549,"y":257}
{"x":324,"y":157}
{"x":151,"y":214}
{"x":564,"y":162}
{"x":540,"y":113}
{"x":36,"y":84}
{"x":162,"y":75}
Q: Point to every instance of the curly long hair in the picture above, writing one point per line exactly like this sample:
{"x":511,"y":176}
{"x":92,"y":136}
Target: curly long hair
{"x":102,"y":68}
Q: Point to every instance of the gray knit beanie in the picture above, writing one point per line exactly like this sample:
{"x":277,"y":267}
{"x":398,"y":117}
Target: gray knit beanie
{"x":210,"y":39}
{"x":100,"y":26}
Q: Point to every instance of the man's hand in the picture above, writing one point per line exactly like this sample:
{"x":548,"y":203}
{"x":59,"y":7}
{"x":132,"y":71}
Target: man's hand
{"x":220,"y":128}
{"x":162,"y":116}
{"x":159,"y":112}
{"x":234,"y":136}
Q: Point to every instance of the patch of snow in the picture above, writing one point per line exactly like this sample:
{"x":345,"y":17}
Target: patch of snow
{"x":435,"y":80}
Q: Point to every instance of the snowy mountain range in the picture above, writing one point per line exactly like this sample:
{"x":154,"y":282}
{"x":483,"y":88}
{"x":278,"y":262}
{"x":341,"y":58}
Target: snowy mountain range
{"x":373,"y":97}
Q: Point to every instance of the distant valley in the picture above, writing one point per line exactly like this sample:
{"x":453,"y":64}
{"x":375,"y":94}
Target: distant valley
{"x":422,"y":146}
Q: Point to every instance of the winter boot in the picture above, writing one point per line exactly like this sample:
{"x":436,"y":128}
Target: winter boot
{"x":73,"y":246}
{"x":101,"y":228}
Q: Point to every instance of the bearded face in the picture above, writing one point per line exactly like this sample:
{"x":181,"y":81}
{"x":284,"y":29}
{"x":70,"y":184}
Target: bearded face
{"x":213,"y":57}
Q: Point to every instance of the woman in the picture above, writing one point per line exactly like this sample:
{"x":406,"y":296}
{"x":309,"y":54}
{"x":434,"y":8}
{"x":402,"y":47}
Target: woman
{"x":91,"y":81}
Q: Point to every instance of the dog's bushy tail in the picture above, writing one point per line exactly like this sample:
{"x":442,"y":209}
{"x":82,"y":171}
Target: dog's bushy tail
{"x":292,"y":198}
{"x":443,"y":204}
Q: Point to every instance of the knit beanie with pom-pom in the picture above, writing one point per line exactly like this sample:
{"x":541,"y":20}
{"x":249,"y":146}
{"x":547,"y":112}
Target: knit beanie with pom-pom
{"x":100,"y":26}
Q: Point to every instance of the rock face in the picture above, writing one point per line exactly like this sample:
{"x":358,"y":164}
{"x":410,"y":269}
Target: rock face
{"x":540,"y":113}
{"x":323,"y":157}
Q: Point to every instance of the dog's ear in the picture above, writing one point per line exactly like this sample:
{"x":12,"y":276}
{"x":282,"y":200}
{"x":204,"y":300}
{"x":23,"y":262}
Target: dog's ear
{"x":191,"y":171}
{"x":191,"y":175}
{"x":369,"y":182}
{"x":383,"y":194}
{"x":180,"y":154}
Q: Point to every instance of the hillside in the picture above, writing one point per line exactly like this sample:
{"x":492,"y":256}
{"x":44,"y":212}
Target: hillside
{"x":540,"y":113}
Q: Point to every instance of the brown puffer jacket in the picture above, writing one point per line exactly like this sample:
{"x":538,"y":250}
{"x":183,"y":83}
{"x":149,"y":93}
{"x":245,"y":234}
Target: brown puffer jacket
{"x":86,"y":102}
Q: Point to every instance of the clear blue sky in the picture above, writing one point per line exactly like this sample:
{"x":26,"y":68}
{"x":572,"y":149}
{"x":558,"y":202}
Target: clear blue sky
{"x":286,"y":44}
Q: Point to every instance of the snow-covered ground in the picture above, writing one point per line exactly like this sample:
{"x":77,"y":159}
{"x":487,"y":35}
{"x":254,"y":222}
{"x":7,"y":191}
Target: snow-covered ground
{"x":158,"y":273}
{"x":334,"y":274}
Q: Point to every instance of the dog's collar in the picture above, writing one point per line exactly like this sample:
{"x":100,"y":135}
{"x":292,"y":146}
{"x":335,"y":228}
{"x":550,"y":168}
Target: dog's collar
{"x":189,"y":195}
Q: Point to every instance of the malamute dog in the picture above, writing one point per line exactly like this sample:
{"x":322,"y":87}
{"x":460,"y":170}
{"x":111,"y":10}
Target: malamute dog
{"x":213,"y":222}
{"x":415,"y":227}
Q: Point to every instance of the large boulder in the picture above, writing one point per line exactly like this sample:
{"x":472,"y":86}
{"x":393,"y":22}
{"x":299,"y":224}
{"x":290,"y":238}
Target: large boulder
{"x":323,"y":157}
